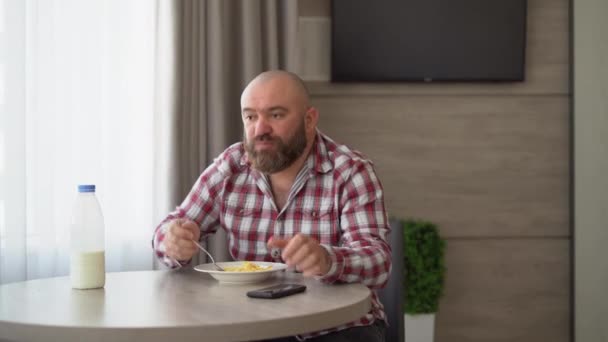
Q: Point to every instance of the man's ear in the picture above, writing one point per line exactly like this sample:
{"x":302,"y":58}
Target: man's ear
{"x":311,"y":118}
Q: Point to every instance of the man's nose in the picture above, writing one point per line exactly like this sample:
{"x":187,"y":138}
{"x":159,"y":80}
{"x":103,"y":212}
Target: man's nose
{"x":262,"y":127}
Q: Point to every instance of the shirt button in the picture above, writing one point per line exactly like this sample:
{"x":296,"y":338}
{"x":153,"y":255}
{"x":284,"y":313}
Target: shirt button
{"x":314,"y":214}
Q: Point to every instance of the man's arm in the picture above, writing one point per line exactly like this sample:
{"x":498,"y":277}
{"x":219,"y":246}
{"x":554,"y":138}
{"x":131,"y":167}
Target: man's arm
{"x":200,"y":207}
{"x":363,"y":254}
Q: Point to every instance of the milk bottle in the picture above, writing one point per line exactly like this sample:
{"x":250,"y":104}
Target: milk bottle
{"x":87,"y":241}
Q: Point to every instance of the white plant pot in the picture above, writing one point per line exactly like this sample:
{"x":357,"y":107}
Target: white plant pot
{"x":419,"y":328}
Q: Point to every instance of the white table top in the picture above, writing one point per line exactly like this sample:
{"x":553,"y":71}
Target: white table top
{"x":182,"y":305}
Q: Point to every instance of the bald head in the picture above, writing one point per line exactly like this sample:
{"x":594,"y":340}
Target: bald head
{"x":283,"y":81}
{"x":279,"y":124}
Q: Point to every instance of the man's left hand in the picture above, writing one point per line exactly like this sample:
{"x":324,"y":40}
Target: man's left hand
{"x":305,"y":253}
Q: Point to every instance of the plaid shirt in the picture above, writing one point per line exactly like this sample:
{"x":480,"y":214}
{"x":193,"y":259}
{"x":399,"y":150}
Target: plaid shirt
{"x":336,"y":198}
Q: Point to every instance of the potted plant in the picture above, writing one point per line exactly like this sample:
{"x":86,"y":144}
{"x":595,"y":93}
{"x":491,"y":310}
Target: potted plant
{"x":424,"y":278}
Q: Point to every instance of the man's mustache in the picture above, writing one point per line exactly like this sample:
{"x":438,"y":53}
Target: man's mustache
{"x":264,"y":137}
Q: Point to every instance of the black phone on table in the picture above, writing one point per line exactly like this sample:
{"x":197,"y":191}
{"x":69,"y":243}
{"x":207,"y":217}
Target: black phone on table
{"x":277,"y":291}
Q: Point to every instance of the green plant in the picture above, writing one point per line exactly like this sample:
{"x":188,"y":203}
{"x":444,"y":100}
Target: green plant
{"x":424,"y":266}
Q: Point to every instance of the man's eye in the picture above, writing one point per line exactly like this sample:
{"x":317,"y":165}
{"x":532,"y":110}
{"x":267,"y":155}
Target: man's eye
{"x":248,"y":117}
{"x":277,"y":115}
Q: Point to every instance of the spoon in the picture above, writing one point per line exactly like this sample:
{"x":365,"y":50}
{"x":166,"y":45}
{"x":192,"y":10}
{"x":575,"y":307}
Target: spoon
{"x":218,"y":267}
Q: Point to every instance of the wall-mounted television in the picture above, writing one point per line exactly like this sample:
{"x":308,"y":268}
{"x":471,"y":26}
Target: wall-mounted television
{"x":428,"y":40}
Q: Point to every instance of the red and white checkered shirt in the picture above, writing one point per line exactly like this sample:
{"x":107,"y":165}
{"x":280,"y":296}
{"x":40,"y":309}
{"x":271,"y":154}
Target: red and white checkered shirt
{"x":336,"y":198}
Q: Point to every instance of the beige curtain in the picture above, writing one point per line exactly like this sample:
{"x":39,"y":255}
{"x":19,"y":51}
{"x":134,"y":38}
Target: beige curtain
{"x":215,"y":48}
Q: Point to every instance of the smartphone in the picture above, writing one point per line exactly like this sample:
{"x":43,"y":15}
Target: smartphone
{"x":277,"y":291}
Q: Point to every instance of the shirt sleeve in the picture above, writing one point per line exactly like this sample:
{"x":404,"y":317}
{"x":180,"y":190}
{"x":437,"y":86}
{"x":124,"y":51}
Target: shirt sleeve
{"x":363,"y":254}
{"x":200,"y":206}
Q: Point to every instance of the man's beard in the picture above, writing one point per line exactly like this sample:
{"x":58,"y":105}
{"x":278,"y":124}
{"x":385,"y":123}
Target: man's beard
{"x":269,"y":161}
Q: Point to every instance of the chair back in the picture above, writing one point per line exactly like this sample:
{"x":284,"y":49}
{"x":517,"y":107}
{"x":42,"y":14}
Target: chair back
{"x":392,"y":295}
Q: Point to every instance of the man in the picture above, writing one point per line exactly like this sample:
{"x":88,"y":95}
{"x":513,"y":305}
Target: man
{"x":289,"y":187}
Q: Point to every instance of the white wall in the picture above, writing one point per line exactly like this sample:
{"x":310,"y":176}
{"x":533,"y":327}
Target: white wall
{"x":590,"y":99}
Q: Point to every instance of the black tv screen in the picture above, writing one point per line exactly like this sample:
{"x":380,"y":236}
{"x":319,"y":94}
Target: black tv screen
{"x":428,"y":40}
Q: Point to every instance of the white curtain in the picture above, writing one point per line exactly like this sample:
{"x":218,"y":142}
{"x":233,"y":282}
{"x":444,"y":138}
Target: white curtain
{"x":84,"y":99}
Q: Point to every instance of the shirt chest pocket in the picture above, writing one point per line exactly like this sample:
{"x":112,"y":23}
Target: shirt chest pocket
{"x":243,"y":216}
{"x":319,"y":221}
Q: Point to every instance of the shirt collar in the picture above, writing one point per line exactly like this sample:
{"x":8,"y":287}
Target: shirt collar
{"x":318,"y":159}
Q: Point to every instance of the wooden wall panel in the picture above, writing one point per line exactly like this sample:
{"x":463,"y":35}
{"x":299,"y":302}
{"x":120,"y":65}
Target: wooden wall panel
{"x":478,"y":166}
{"x":547,"y":60}
{"x":506,"y":290}
{"x":488,"y":162}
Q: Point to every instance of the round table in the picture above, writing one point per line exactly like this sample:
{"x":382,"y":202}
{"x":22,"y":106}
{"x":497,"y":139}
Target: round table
{"x":182,"y":305}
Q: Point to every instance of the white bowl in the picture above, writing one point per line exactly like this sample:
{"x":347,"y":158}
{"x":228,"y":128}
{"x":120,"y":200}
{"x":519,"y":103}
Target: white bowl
{"x":240,"y":277}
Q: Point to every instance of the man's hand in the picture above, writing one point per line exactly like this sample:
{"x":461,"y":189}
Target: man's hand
{"x":304,"y":253}
{"x":178,"y":240}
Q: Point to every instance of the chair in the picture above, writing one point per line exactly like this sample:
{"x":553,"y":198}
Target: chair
{"x":392,"y":295}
